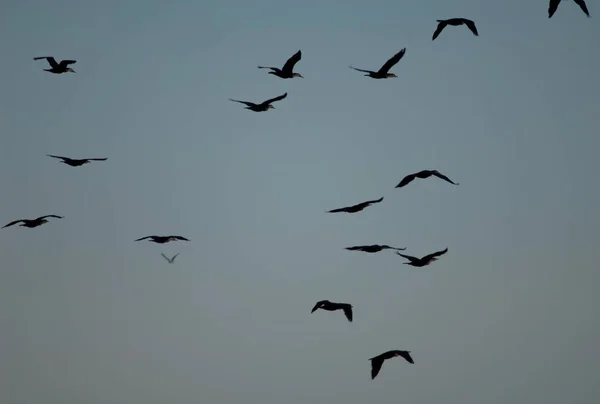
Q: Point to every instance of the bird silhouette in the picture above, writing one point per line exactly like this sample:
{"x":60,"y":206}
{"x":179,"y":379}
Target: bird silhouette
{"x":373,"y":248}
{"x":162,"y":239}
{"x":76,"y":162}
{"x":377,"y":361}
{"x":57,"y":68}
{"x":383,"y":72}
{"x":426,"y":260}
{"x":424,"y":174}
{"x":331,"y":306}
{"x":170,"y":260}
{"x":263,"y":106}
{"x":32,"y":222}
{"x":357,"y":207}
{"x":454,"y":22}
{"x":553,"y":6}
{"x":286,"y":72}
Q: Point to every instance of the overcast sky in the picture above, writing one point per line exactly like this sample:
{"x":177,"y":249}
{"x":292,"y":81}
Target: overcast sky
{"x":508,"y":315}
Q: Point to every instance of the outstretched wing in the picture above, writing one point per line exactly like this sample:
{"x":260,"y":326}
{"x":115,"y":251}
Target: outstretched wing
{"x":435,"y":254}
{"x":268,"y":67}
{"x":317,"y":305}
{"x":553,"y":6}
{"x":278,"y":98}
{"x":175,"y":256}
{"x":179,"y":238}
{"x":165,"y":257}
{"x":50,"y":60}
{"x":406,"y":180}
{"x":13,"y":223}
{"x":581,"y":4}
{"x":392,"y":61}
{"x":362,"y":70}
{"x":288,"y":67}
{"x":248,"y":103}
{"x":58,"y":157}
{"x":408,"y":257}
{"x":43,"y":217}
{"x":144,"y":238}
{"x":98,"y":159}
{"x":347,"y":311}
{"x":373,"y":201}
{"x":471,"y":25}
{"x":441,"y":25}
{"x":356,"y":248}
{"x":376,"y":364}
{"x":442,"y":176}
{"x":406,"y":356}
{"x":65,"y":63}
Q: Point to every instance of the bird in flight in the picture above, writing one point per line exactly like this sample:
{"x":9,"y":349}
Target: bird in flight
{"x":424,"y":174}
{"x":553,"y":6}
{"x":426,"y":260}
{"x":62,"y":67}
{"x":170,"y":260}
{"x":75,"y":162}
{"x":330,"y":306}
{"x":263,"y":106}
{"x":32,"y":222}
{"x":383,"y":72}
{"x":373,"y":248}
{"x":286,"y":72}
{"x":162,"y":239}
{"x":454,"y":22}
{"x":356,"y":208}
{"x":377,"y":361}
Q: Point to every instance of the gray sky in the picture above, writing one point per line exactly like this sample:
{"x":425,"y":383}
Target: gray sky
{"x":508,"y":315}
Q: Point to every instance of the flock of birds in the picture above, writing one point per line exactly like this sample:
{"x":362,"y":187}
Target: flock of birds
{"x":287,"y":72}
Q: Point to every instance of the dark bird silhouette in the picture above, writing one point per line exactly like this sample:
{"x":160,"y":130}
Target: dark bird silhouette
{"x":424,"y":174}
{"x":373,"y":248}
{"x":454,"y":22}
{"x":170,"y":260}
{"x":330,"y":306}
{"x":383,"y":72}
{"x":377,"y":361}
{"x":162,"y":239}
{"x":33,"y":222}
{"x":263,"y":106}
{"x":426,"y":260}
{"x":356,"y":208}
{"x":286,"y":72}
{"x":554,"y":6}
{"x":75,"y":162}
{"x":62,"y":67}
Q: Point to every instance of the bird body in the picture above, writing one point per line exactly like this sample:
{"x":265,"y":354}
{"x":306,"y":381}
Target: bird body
{"x":263,"y":106}
{"x":553,"y":6}
{"x":382,"y":73}
{"x":32,"y":222}
{"x":331,"y":306}
{"x":454,"y":22}
{"x":426,"y":260}
{"x":286,"y":72}
{"x":424,"y":174}
{"x":373,"y":248}
{"x":170,"y":260}
{"x":57,"y":68}
{"x":162,"y":239}
{"x":377,"y":361}
{"x":75,"y":162}
{"x":356,"y":208}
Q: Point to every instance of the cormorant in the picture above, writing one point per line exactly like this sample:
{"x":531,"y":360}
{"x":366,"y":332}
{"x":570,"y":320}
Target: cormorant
{"x":33,"y":222}
{"x":383,"y":72}
{"x":170,"y":260}
{"x":377,"y":361}
{"x":424,"y":174}
{"x":356,"y":208}
{"x":426,"y":260}
{"x":263,"y":106}
{"x":554,"y":6}
{"x":373,"y":248}
{"x":454,"y":22}
{"x":286,"y":72}
{"x":75,"y":162}
{"x":162,"y":239}
{"x":62,"y":67}
{"x":330,"y":306}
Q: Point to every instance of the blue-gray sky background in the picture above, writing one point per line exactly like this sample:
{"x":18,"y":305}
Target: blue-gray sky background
{"x":508,"y":315}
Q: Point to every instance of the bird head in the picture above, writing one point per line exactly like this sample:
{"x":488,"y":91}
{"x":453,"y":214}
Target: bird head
{"x":298,"y":75}
{"x":391,"y":75}
{"x":70,"y":70}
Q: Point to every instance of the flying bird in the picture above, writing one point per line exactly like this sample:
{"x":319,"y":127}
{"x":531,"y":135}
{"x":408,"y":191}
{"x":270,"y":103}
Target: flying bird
{"x":75,"y":162}
{"x":330,"y":306}
{"x":424,"y":174}
{"x":170,"y":260}
{"x":383,"y":72}
{"x":554,"y":6}
{"x":377,"y":361}
{"x":373,"y":248}
{"x":356,"y":208}
{"x":286,"y":72}
{"x":62,"y":67}
{"x":426,"y":260}
{"x":263,"y":106}
{"x":454,"y":22}
{"x":33,"y":222}
{"x":162,"y":239}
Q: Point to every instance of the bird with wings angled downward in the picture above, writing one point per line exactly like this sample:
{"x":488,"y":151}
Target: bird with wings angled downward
{"x":422,"y":175}
{"x":263,"y":106}
{"x":57,"y":68}
{"x":286,"y":72}
{"x":377,"y":361}
{"x":30,"y":223}
{"x":75,"y":162}
{"x":169,"y":260}
{"x":162,"y":239}
{"x":355,"y":208}
{"x":454,"y":22}
{"x":331,"y":306}
{"x":421,"y":262}
{"x":553,"y":6}
{"x":383,"y":72}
